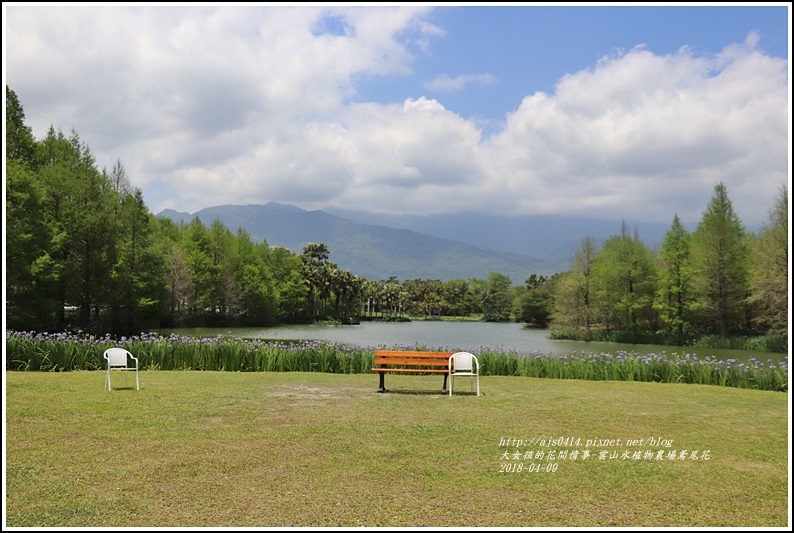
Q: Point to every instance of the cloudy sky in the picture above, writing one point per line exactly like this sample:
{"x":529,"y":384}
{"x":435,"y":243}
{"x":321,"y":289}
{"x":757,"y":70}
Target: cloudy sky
{"x":609,"y":112}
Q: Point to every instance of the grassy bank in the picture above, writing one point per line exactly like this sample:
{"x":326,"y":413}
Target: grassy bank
{"x":249,"y":449}
{"x":67,"y":352}
{"x":762,"y":343}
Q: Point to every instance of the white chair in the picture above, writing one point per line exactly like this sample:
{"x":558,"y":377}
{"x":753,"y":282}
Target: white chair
{"x":119,"y":359}
{"x":463,"y":364}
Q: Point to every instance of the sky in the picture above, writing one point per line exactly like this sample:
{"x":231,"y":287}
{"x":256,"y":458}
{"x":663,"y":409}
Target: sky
{"x":609,"y":112}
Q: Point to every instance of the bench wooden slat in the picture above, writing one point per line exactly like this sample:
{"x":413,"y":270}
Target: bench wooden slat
{"x":396,"y":361}
{"x":413,"y":370}
{"x":409,"y":361}
{"x":399,"y":353}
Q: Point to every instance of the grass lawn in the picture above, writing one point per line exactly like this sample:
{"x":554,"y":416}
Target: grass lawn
{"x":199,"y":449}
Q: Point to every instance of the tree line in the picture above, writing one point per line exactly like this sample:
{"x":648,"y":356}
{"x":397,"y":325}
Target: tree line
{"x":718,"y":280}
{"x":83,"y":252}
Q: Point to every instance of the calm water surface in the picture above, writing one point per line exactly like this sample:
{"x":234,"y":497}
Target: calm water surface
{"x":468,"y":336}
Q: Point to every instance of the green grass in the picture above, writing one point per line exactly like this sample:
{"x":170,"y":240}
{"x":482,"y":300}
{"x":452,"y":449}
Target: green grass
{"x":256,"y":449}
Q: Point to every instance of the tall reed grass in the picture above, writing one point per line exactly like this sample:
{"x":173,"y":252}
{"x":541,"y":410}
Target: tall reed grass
{"x":65,"y":352}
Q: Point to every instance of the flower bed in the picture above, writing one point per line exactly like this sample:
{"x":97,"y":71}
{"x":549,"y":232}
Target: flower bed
{"x":66,"y":352}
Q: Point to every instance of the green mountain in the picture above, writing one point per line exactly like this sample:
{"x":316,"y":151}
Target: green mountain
{"x":372,"y":251}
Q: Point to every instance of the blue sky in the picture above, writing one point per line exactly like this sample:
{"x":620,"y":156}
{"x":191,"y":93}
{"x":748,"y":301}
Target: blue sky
{"x":610,"y":112}
{"x":528,"y":49}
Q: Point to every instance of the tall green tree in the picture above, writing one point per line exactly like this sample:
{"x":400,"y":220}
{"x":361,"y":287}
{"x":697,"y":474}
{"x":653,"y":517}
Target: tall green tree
{"x":178,"y":282}
{"x":139,"y":271}
{"x":227,"y":295}
{"x":390,"y":297}
{"x":30,"y":237}
{"x":535,"y":301}
{"x":625,"y":281}
{"x":82,"y":239}
{"x":81,"y":207}
{"x":30,"y":271}
{"x":370,"y":292}
{"x":55,"y":159}
{"x":425,"y":296}
{"x":472,"y":302}
{"x":20,"y":145}
{"x":573,"y":296}
{"x":293,"y":297}
{"x":316,"y":274}
{"x":497,"y":300}
{"x":770,"y":267}
{"x":719,"y":260}
{"x":455,"y":295}
{"x":94,"y":229}
{"x":292,"y":291}
{"x":197,"y":248}
{"x":673,"y":298}
{"x":260,"y":298}
{"x":119,"y":181}
{"x":347,"y":290}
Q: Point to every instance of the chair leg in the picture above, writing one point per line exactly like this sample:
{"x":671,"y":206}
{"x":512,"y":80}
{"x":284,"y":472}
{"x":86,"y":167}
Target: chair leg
{"x":478,"y":384}
{"x":451,"y":381}
{"x":138,"y":383}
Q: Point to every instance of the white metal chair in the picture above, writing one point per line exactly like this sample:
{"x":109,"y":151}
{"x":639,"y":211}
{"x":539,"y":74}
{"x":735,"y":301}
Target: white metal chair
{"x":119,"y":359}
{"x":463,"y":364}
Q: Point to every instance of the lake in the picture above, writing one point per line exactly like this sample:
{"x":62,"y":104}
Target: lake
{"x":466,"y":336}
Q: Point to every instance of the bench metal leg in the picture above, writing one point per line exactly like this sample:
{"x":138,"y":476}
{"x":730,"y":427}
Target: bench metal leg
{"x":382,"y":386}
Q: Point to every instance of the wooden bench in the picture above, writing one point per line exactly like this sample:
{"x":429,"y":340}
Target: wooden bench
{"x":400,"y":361}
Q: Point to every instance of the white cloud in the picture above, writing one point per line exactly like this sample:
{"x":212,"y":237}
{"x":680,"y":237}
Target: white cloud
{"x":209,"y":105}
{"x":644,"y":136}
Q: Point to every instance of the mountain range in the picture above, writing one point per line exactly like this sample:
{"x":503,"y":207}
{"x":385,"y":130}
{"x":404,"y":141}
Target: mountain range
{"x":442,"y":247}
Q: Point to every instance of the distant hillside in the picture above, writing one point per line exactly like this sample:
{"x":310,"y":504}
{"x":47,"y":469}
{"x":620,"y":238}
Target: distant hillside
{"x":372,"y":251}
{"x":551,"y":237}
